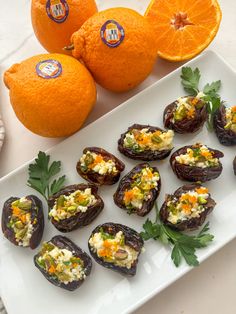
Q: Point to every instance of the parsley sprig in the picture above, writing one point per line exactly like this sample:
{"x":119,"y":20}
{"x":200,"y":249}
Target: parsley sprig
{"x":183,"y":246}
{"x":190,"y":81}
{"x":41,"y":174}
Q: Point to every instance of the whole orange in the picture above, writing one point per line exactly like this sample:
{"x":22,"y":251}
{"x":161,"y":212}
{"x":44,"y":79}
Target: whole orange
{"x":118,"y":47}
{"x":51,"y":94}
{"x":54,"y":21}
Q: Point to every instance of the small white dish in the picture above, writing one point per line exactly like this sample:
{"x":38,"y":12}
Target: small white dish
{"x":25,"y":290}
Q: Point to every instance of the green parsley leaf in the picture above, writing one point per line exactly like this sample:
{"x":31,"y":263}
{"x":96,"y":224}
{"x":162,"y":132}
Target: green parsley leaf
{"x":190,"y":80}
{"x":212,"y":89}
{"x":41,"y":174}
{"x":176,"y":255}
{"x":57,"y":185}
{"x":183,"y":245}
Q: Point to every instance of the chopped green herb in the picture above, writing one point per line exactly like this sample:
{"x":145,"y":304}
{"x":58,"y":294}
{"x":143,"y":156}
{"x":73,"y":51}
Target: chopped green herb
{"x":105,"y":235}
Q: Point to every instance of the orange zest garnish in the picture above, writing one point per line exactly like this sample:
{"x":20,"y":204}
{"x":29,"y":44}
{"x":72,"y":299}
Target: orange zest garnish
{"x":206,"y":154}
{"x":144,"y":140}
{"x":192,"y":199}
{"x":98,"y":159}
{"x":194,"y":101}
{"x":107,"y":244}
{"x":16,"y":211}
{"x":23,"y":218}
{"x":186,"y":208}
{"x":128,"y":195}
{"x":201,"y":190}
{"x":52,"y":269}
{"x":191,"y":113}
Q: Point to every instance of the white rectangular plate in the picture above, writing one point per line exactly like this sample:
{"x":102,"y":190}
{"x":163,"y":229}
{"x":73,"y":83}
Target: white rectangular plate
{"x":25,"y":290}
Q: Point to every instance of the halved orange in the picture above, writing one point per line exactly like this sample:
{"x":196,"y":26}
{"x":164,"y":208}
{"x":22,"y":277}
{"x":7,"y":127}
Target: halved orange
{"x":183,"y":27}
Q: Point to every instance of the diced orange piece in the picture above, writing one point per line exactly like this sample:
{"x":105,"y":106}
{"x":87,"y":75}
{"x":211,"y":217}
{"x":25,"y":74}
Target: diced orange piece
{"x":16,"y":211}
{"x":202,"y":190}
{"x":128,"y":195}
{"x":52,"y":269}
{"x":206,"y":154}
{"x":98,"y":159}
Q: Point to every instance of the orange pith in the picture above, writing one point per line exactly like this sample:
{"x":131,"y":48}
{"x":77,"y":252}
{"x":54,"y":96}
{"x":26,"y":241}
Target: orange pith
{"x":183,"y":27}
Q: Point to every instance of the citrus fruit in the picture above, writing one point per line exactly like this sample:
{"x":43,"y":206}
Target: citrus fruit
{"x":51,"y":94}
{"x":54,"y":21}
{"x":117,"y":46}
{"x":183,"y":27}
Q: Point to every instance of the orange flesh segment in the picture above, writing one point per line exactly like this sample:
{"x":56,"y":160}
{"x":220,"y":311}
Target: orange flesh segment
{"x":183,"y":27}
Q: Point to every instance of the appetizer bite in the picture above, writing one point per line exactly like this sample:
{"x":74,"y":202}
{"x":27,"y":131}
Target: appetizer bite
{"x":145,"y":142}
{"x":23,"y":221}
{"x":186,"y":114}
{"x":196,"y":163}
{"x":187,"y":208}
{"x":138,"y":190}
{"x":117,"y":247}
{"x":74,"y":206}
{"x":224,"y":123}
{"x":63,"y":263}
{"x":99,"y":167}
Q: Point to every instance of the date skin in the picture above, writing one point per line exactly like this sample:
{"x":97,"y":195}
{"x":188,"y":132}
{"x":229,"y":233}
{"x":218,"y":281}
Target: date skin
{"x":125,"y":184}
{"x":132,"y":239}
{"x":65,"y":243}
{"x":185,"y":125}
{"x":192,"y":223}
{"x":147,"y":155}
{"x":80,"y":219}
{"x":192,"y":173}
{"x":36,"y":213}
{"x":96,"y":178}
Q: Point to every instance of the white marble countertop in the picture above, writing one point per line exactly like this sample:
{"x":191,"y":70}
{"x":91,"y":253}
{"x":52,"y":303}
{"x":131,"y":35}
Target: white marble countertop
{"x":209,"y":288}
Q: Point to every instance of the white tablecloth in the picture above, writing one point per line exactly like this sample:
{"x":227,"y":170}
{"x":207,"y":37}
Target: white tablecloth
{"x":210,"y":288}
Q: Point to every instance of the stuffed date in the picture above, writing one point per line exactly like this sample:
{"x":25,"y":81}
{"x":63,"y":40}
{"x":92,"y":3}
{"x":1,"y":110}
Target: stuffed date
{"x":225,"y":125}
{"x":99,"y":166}
{"x":138,"y":190}
{"x":116,"y":247}
{"x":63,"y":263}
{"x":23,"y":221}
{"x":74,"y":206}
{"x":186,"y":114}
{"x":145,"y":142}
{"x":187,"y":208}
{"x":196,"y":163}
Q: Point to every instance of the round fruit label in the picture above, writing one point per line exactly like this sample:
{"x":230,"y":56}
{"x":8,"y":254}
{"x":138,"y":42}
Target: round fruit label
{"x":112,"y":33}
{"x":57,"y":10}
{"x":49,"y":69}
